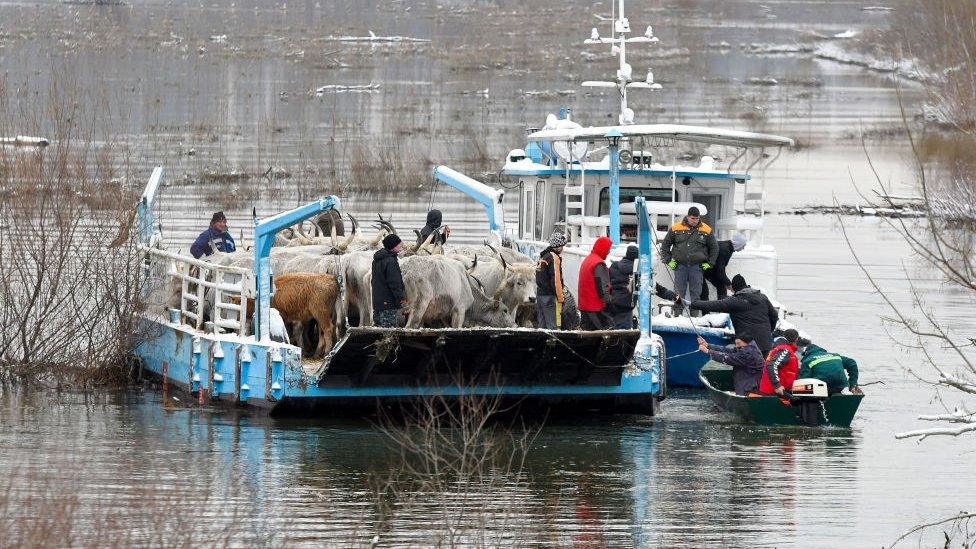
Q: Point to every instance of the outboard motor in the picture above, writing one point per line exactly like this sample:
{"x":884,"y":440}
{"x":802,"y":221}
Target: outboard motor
{"x":808,"y":397}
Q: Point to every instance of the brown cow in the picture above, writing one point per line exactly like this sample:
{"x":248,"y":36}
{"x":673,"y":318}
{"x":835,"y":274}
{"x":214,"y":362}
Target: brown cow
{"x":301,"y":297}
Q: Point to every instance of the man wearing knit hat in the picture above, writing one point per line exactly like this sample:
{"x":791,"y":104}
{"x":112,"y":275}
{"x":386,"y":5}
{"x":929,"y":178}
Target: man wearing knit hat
{"x":549,"y":296}
{"x":689,"y":249}
{"x":717,"y":275}
{"x":215,"y":239}
{"x":387,"y":283}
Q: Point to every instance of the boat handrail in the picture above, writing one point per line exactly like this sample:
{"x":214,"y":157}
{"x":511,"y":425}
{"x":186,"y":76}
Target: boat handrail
{"x":228,"y":295}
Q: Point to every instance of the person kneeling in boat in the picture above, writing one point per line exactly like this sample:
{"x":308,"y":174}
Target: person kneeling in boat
{"x":781,"y":365}
{"x":745,"y":359}
{"x":837,"y":371}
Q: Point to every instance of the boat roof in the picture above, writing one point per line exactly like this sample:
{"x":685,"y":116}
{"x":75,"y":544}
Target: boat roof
{"x":697,"y":134}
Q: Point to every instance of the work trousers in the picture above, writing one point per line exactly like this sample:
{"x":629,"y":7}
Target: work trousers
{"x":594,"y":320}
{"x":386,"y":318}
{"x":687,"y":283}
{"x":545,"y":308}
{"x":623,"y":320}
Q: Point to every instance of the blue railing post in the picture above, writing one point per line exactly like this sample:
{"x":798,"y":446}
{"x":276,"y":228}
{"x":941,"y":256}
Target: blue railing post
{"x":646,"y":272}
{"x":144,"y":209}
{"x":264,"y":236}
{"x":614,"y":136}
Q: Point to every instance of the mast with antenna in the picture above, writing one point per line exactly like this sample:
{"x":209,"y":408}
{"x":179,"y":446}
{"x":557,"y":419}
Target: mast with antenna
{"x":621,"y":26}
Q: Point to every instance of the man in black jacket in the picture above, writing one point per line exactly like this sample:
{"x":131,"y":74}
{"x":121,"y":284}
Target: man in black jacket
{"x":717,"y":275}
{"x":387,"y":283}
{"x":621,"y":304}
{"x":549,"y":285}
{"x":433,"y":225}
{"x":751,"y":312}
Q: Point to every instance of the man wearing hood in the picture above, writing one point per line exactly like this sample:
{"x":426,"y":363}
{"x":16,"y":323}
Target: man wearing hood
{"x":621,"y":305}
{"x":751,"y":312}
{"x":387,"y":283}
{"x":594,"y":287}
{"x":433,"y":225}
{"x":689,"y":249}
{"x":745,"y":359}
{"x":717,"y":275}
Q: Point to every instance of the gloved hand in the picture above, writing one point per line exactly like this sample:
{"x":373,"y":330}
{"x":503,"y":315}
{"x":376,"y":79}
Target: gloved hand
{"x":673,"y":264}
{"x":706,"y":266}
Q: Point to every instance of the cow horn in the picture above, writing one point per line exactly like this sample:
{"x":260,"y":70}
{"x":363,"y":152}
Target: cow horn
{"x":352,"y":234}
{"x":426,"y":243}
{"x":505,"y":283}
{"x":334,"y":237}
{"x":301,"y":230}
{"x":473,"y":264}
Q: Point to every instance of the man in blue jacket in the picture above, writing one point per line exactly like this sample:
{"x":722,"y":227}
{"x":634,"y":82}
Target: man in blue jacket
{"x":216,"y":237}
{"x":745,"y":359}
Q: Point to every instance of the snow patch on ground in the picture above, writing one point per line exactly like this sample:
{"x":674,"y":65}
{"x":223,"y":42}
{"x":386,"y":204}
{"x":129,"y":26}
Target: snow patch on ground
{"x":906,"y":68}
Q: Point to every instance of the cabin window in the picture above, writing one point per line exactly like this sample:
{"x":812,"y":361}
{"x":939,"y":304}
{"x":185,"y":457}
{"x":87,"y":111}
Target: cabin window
{"x":713,"y":204}
{"x":628,"y":194}
{"x":527,"y":221}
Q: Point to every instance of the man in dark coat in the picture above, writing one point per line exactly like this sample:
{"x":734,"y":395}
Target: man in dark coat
{"x":215,"y":237}
{"x":433,"y":225}
{"x":549,"y":290}
{"x":594,"y":287}
{"x":745,"y":359}
{"x":621,"y":304}
{"x":689,"y":249}
{"x":752,"y":313}
{"x":387,"y":283}
{"x":717,"y":275}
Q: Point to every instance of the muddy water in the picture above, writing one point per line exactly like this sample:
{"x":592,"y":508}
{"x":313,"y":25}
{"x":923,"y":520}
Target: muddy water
{"x":691,"y":476}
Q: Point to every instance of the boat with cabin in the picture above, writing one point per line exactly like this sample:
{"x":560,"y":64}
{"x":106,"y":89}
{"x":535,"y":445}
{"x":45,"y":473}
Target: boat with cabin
{"x":195,"y":338}
{"x":585,"y":182}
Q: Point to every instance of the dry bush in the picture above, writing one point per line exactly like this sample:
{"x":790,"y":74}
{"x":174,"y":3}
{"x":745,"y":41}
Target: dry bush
{"x":460,"y":469}
{"x":940,"y":35}
{"x":66,"y":299}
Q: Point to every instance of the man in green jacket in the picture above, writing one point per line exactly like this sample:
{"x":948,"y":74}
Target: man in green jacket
{"x":837,"y":371}
{"x":689,"y":249}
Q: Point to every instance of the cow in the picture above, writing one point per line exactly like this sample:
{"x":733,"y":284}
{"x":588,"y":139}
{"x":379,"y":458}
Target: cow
{"x":438,"y":287}
{"x":511,"y":283}
{"x":303,"y":297}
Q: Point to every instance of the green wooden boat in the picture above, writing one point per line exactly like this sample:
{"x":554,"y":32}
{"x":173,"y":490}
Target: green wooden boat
{"x":838,"y":410}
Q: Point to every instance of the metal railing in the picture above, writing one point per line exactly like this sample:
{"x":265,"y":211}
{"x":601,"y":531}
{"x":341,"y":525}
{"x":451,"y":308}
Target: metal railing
{"x":222,"y":291}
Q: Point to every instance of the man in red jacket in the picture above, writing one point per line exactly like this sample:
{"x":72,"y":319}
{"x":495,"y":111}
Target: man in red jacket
{"x":594,"y":287}
{"x":781,"y":365}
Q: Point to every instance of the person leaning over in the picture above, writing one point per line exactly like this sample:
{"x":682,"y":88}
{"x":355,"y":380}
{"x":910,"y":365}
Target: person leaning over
{"x":621,"y":305}
{"x":717,"y":275}
{"x":549,"y":284}
{"x":689,"y":248}
{"x":387,"y":283}
{"x":745,"y":359}
{"x":839,"y":372}
{"x":782,"y":366}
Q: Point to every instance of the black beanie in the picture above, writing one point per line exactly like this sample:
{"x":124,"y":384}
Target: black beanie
{"x":218,"y":216}
{"x":632,"y":252}
{"x":694,"y":211}
{"x":390,"y":241}
{"x":738,"y":283}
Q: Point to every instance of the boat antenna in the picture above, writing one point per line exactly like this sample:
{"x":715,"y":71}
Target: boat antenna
{"x":620,"y":25}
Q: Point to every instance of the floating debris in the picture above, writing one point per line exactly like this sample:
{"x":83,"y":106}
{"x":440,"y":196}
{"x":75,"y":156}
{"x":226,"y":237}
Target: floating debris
{"x":721,"y":46}
{"x":877,"y":8}
{"x":24,"y":141}
{"x":372,"y":38}
{"x":762,"y":81}
{"x":895,"y":211}
{"x":219,"y":38}
{"x":849,"y":33}
{"x":756,"y":48}
{"x":341,"y":88}
{"x":548,"y":94}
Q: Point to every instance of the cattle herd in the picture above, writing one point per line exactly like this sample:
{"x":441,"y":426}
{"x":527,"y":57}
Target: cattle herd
{"x":327,"y":276}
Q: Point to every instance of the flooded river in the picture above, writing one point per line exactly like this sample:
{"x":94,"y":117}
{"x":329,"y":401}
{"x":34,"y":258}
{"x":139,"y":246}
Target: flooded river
{"x":237,"y":86}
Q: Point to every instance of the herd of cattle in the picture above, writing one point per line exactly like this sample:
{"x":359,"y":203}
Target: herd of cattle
{"x":328,"y":279}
